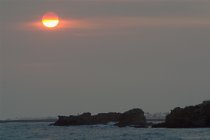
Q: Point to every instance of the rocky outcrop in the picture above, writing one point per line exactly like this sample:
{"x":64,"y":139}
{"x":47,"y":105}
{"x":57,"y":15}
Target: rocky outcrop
{"x":87,"y":119}
{"x":134,"y":117}
{"x":188,"y":117}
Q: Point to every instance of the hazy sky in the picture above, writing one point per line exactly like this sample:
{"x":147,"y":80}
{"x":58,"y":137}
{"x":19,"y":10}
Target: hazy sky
{"x":113,"y":55}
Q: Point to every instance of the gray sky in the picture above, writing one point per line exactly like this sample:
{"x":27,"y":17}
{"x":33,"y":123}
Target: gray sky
{"x":113,"y":55}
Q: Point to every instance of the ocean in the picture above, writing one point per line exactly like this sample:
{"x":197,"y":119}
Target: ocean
{"x":42,"y":131}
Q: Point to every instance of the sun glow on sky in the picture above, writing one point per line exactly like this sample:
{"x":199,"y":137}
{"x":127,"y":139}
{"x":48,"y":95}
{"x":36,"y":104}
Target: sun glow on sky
{"x":50,"y":20}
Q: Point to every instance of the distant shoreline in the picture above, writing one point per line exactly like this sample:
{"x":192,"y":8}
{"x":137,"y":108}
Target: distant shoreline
{"x":53,"y":120}
{"x":27,"y":121}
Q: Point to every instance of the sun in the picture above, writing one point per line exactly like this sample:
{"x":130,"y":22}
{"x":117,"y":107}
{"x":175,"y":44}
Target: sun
{"x":50,"y":20}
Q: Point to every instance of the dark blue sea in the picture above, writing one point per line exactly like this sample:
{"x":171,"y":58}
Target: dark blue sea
{"x":42,"y":131}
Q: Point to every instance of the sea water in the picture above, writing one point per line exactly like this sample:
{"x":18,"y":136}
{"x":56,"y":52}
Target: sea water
{"x":43,"y":131}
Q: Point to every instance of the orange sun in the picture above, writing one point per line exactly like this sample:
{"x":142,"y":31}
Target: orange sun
{"x":50,"y":20}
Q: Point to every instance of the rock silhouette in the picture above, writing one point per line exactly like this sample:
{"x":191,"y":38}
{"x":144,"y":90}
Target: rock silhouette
{"x":188,"y":117}
{"x":134,"y":117}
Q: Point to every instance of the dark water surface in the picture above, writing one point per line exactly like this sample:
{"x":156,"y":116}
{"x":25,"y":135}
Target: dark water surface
{"x":42,"y":131}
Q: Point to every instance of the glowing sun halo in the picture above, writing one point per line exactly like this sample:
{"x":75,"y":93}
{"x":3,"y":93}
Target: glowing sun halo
{"x":50,"y":20}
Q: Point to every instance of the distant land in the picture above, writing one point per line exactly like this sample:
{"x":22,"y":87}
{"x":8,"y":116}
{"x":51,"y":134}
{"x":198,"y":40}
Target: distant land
{"x":27,"y":120}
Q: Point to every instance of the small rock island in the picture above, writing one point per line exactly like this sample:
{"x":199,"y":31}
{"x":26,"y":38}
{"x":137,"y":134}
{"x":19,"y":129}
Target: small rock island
{"x":134,"y":117}
{"x":197,"y":116}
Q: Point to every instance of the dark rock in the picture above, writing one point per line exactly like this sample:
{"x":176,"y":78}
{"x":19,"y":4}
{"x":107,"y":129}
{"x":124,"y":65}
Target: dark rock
{"x":104,"y":118}
{"x":188,"y":117}
{"x":134,"y":117}
{"x":159,"y":125}
{"x":87,"y":119}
